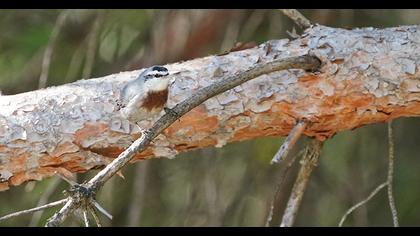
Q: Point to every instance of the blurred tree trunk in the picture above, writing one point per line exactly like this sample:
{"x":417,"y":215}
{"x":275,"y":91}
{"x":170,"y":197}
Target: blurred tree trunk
{"x":368,"y":76}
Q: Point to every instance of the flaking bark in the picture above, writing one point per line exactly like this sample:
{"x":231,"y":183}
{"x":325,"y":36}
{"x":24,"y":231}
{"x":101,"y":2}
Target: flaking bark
{"x":368,"y":76}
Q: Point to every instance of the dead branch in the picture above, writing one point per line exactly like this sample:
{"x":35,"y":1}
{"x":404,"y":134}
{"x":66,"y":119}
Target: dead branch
{"x":93,"y":185}
{"x":40,"y":208}
{"x":290,"y":141}
{"x":390,"y":176}
{"x":388,"y":183}
{"x":371,"y":195}
{"x":309,"y":162}
{"x":95,"y":216}
{"x":280,"y":185}
{"x":74,"y":128}
{"x":297,"y":17}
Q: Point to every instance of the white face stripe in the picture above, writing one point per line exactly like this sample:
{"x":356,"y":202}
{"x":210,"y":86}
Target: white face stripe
{"x":155,"y":72}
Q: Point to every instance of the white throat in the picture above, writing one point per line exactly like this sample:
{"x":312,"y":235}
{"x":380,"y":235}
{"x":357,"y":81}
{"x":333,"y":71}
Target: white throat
{"x":157,"y":84}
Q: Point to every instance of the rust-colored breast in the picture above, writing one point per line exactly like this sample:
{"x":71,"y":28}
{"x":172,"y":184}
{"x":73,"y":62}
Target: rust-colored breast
{"x":155,"y":99}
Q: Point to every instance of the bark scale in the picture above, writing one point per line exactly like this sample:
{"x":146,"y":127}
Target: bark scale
{"x":368,"y":76}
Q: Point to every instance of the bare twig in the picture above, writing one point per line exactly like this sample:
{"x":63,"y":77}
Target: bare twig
{"x":46,"y":61}
{"x":302,"y":62}
{"x":102,"y":210}
{"x":40,"y":208}
{"x":85,"y":218}
{"x":388,"y":183}
{"x":309,"y":161}
{"x":371,"y":195}
{"x":290,"y":141}
{"x":64,"y":212}
{"x":297,"y":17}
{"x":95,"y":216}
{"x":279,"y":187}
{"x":92,"y":44}
{"x":391,"y":158}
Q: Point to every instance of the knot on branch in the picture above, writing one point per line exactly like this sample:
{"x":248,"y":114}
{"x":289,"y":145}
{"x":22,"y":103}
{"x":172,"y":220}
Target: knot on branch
{"x":81,"y":193}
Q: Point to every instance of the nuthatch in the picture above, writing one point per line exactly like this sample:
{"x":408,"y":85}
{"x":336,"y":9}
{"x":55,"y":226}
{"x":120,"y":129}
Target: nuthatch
{"x":146,"y":96}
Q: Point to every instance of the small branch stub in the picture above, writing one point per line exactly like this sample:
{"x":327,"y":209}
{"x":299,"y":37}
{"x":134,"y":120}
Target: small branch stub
{"x":290,"y":141}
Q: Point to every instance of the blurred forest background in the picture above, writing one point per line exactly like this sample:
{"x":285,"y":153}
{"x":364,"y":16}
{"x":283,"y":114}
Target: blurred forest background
{"x":230,"y":186}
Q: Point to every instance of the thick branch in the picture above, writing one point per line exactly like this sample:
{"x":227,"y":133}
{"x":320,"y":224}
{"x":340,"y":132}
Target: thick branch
{"x":302,"y":62}
{"x":368,"y":76}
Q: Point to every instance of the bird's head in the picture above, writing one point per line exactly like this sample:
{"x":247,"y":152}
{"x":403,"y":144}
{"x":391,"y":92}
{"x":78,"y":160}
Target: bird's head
{"x":156,"y":77}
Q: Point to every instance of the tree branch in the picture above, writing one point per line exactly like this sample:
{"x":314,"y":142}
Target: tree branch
{"x":309,"y":162}
{"x":282,"y":178}
{"x":388,"y":183}
{"x":46,"y":206}
{"x":290,"y":141}
{"x":302,"y":62}
{"x":297,"y":17}
{"x":390,"y":175}
{"x":75,"y":128}
{"x":371,"y":195}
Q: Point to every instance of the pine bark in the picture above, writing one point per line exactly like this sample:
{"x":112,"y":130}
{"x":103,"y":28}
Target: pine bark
{"x":368,"y":76}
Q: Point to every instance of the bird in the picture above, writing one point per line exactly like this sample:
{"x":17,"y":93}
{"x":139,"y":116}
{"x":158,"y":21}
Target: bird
{"x":146,"y":96}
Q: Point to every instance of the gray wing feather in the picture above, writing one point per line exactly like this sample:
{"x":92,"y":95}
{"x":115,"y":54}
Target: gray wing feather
{"x":130,"y":90}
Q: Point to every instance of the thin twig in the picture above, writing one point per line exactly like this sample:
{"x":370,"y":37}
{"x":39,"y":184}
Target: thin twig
{"x":391,"y":158}
{"x":279,"y":186}
{"x":302,"y":62}
{"x":85,"y":218}
{"x":64,"y":212}
{"x":371,"y":195}
{"x":290,"y":141}
{"x":95,"y":216}
{"x":309,"y":161}
{"x":297,"y":17}
{"x":388,"y":183}
{"x":49,"y":205}
{"x":46,"y":60}
{"x":102,"y":210}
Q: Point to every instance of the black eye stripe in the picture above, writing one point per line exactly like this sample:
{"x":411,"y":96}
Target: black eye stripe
{"x":154,"y":76}
{"x":159,"y":68}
